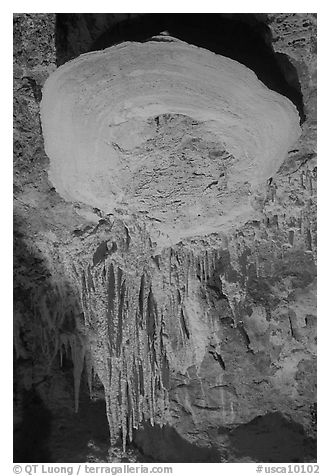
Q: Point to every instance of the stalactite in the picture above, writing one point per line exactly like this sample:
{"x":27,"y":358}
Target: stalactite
{"x":127,"y":303}
{"x":206,"y":266}
{"x":120,"y":309}
{"x":89,"y":372}
{"x":78,"y":357}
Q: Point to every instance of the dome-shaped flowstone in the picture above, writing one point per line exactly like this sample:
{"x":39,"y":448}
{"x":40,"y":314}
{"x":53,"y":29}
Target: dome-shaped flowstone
{"x":165,"y":129}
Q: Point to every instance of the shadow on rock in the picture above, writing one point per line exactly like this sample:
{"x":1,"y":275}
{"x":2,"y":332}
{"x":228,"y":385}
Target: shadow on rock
{"x":274,"y":439}
{"x":165,"y":445}
{"x":31,"y":437}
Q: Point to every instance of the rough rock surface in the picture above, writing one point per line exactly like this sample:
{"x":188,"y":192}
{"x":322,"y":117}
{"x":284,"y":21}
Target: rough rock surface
{"x":167,"y":130}
{"x":202,"y":344}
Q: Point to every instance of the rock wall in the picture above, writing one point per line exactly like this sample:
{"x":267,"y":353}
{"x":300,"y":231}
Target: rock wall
{"x":205,"y":342}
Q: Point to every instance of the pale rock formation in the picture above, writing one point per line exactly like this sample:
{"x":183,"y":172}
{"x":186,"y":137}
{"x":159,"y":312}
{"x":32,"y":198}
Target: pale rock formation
{"x":166,"y":130}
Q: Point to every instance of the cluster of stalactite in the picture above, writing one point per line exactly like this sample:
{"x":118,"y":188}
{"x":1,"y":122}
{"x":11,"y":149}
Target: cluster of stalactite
{"x":123,"y":313}
{"x":133,"y":303}
{"x":50,"y":313}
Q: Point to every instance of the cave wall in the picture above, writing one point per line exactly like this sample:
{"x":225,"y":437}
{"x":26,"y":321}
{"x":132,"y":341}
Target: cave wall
{"x":250,"y":308}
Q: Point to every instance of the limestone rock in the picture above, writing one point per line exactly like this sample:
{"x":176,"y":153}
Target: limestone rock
{"x":193,"y":330}
{"x":167,"y":130}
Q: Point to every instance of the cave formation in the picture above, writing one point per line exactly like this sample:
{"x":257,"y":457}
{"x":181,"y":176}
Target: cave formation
{"x":165,"y":130}
{"x":174,"y":266}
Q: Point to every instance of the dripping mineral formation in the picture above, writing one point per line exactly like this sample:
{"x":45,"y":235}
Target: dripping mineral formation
{"x":176,"y":246}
